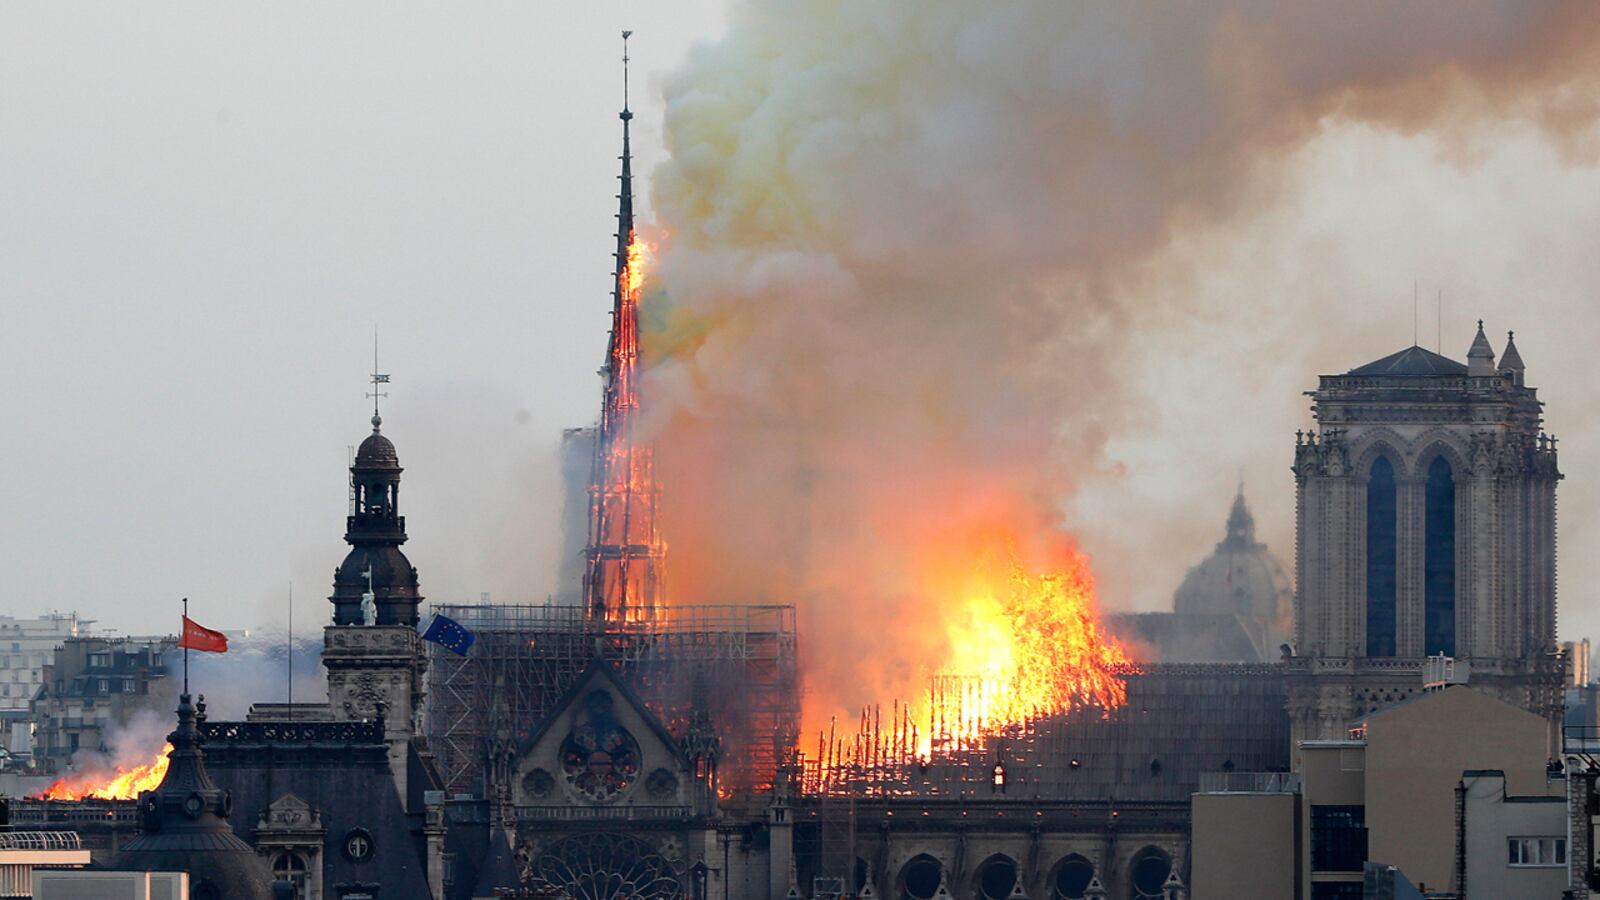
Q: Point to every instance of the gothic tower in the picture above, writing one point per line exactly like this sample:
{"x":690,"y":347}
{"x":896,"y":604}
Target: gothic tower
{"x":1425,"y":525}
{"x":623,"y":560}
{"x":375,"y":671}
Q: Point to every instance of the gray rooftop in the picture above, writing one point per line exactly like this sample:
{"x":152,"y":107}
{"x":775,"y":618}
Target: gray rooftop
{"x":1412,"y":361}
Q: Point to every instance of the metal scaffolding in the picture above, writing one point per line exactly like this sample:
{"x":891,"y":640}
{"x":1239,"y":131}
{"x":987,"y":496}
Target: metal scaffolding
{"x":1178,"y":721}
{"x":526,"y":657}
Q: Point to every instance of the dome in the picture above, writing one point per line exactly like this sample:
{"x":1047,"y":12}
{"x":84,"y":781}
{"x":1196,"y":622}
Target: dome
{"x":184,"y":825}
{"x":377,"y":452}
{"x":1239,"y":578}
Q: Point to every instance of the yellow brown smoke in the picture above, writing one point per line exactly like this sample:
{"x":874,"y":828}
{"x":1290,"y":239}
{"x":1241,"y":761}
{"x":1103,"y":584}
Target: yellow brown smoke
{"x":888,"y":320}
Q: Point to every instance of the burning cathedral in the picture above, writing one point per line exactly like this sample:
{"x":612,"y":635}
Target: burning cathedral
{"x":629,"y":745}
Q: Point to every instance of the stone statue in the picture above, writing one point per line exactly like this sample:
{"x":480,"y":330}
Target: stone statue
{"x":369,"y":608}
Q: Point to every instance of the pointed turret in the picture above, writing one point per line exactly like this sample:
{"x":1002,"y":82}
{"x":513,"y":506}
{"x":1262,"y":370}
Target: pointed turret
{"x":183,"y":824}
{"x":1480,"y":358}
{"x":1511,"y":360}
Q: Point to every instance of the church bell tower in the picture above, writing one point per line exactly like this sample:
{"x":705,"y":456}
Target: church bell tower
{"x":1425,"y":522}
{"x":372,"y":651}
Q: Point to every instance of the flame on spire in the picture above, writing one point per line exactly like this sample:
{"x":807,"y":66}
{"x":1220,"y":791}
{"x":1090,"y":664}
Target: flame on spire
{"x":622,"y":582}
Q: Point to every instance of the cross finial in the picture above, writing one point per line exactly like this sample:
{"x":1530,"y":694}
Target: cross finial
{"x":377,"y":379}
{"x":625,"y":36}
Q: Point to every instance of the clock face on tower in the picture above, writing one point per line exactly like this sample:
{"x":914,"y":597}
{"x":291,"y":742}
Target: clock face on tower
{"x":599,"y":758}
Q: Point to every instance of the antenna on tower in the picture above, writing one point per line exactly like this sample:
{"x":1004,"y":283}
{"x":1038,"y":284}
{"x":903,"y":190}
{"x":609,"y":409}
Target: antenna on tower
{"x":1413,"y":312}
{"x":1438,"y":322}
{"x":377,"y":379}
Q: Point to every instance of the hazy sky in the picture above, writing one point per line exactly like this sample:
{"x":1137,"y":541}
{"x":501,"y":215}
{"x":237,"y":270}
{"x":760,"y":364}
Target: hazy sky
{"x":204,"y":211}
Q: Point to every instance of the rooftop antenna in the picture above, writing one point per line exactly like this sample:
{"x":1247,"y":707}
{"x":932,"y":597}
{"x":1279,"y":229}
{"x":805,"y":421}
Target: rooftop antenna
{"x":377,"y":379}
{"x":1413,"y":312}
{"x":1438,"y":309}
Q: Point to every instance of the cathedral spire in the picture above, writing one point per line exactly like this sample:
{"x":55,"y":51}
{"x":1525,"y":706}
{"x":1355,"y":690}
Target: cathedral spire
{"x":622,"y":577}
{"x":625,"y":197}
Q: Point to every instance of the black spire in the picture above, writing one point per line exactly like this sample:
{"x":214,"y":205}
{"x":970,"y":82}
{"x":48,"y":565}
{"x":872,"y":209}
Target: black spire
{"x":625,"y":198}
{"x":183,"y":823}
{"x":375,"y":530}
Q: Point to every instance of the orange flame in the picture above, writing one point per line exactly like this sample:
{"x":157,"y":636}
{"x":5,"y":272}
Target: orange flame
{"x":126,"y":784}
{"x":1022,"y":646}
{"x":626,"y":552}
{"x":1016,"y":646}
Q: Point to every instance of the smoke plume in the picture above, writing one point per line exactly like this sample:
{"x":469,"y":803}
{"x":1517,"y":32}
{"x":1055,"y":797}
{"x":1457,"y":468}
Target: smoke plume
{"x":897,"y":296}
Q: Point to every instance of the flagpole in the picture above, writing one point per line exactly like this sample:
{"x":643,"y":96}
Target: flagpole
{"x":185,"y":641}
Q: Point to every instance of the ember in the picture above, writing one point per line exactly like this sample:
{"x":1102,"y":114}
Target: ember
{"x":126,"y":784}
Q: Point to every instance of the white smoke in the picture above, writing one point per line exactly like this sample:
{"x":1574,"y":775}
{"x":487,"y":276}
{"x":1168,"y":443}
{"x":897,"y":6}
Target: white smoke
{"x":903,"y":251}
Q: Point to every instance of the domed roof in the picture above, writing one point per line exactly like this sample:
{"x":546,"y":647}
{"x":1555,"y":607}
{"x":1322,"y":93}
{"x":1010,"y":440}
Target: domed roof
{"x":377,"y":451}
{"x":184,"y":825}
{"x":1239,"y":578}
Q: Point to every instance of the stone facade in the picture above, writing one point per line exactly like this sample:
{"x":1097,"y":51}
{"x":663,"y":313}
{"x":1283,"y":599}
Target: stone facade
{"x":1424,"y":524}
{"x":376,"y":672}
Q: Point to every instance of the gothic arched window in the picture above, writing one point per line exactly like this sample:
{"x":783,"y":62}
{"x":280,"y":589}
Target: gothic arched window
{"x":1439,"y":561}
{"x":1380,"y":558}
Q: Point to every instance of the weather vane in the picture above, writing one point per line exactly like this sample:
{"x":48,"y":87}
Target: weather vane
{"x":377,"y":379}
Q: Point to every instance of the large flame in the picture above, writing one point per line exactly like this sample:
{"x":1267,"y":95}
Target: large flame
{"x":1022,"y":645}
{"x":1021,"y":641}
{"x":625,"y":551}
{"x":126,"y":784}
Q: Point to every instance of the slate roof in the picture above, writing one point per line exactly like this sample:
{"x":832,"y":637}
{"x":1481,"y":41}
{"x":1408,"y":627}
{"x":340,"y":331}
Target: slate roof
{"x":1413,"y":361}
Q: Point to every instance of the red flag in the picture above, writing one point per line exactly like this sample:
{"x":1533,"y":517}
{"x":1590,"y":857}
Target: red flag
{"x":199,"y":637}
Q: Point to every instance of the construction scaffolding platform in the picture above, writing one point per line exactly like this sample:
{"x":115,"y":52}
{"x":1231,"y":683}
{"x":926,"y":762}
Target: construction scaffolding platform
{"x":742,"y":658}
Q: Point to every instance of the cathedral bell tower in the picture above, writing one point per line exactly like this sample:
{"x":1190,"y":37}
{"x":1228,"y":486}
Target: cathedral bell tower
{"x":373,"y":654}
{"x":1425,"y":525}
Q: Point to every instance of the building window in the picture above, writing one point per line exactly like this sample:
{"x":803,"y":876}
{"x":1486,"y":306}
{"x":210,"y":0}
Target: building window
{"x":1381,"y":558}
{"x":1149,"y":872}
{"x":358,"y":845}
{"x":921,"y":878}
{"x":1536,"y":851}
{"x":1338,"y":838}
{"x":1072,"y":878}
{"x":291,"y":867}
{"x":1439,"y":561}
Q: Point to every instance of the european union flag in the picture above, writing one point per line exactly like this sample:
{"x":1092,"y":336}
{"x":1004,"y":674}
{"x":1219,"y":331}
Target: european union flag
{"x":449,"y":634}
